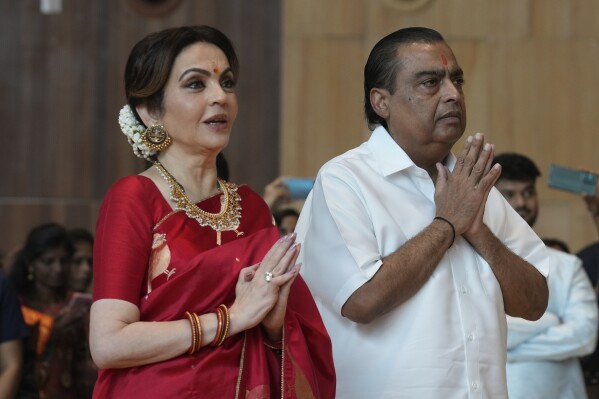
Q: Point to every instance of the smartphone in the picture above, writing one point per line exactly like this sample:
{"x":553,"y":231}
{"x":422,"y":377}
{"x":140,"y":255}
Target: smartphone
{"x":572,"y":180}
{"x":299,"y":187}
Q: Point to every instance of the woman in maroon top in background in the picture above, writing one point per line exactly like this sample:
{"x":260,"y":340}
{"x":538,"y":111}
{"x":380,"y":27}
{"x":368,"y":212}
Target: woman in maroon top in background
{"x":55,"y":316}
{"x":195,"y":294}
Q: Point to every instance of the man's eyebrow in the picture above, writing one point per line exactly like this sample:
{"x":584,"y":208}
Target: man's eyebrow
{"x":456,"y":72}
{"x":440,"y":73}
{"x":433,"y":72}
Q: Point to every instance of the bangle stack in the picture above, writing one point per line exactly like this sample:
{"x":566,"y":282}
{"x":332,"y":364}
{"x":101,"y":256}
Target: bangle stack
{"x":222,"y":314}
{"x":196,"y":332}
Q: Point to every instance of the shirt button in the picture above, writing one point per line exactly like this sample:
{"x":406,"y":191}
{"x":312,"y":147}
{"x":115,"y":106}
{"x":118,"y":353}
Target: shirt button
{"x":474,"y":385}
{"x":471,"y":337}
{"x":463,"y":289}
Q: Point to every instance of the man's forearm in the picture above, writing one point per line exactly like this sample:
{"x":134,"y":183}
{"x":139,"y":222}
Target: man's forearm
{"x":524,"y":288}
{"x":401,"y":275}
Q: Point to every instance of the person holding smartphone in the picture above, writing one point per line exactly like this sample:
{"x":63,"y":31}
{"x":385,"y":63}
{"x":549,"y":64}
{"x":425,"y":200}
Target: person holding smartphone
{"x":543,"y":355}
{"x":590,"y":253}
{"x":590,"y":262}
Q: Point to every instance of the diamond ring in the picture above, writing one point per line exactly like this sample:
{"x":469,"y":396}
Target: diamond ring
{"x":268,"y":277}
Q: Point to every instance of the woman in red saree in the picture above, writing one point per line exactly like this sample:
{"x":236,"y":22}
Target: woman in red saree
{"x":195,"y":294}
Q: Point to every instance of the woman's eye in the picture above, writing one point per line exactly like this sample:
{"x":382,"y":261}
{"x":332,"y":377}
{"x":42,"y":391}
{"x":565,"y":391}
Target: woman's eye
{"x":195,"y":84}
{"x":228,"y":84}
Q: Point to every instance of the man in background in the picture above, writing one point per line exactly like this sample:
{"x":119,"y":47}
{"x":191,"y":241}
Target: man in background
{"x":543,"y":355}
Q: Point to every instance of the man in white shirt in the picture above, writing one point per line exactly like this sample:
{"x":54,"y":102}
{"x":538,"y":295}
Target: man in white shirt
{"x":411,"y":254}
{"x":543,"y":355}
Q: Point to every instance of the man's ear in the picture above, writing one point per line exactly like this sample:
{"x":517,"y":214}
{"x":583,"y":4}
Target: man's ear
{"x":379,"y":99}
{"x":149,"y":118}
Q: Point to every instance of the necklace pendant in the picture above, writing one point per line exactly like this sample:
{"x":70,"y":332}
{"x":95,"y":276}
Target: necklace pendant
{"x":225,"y":220}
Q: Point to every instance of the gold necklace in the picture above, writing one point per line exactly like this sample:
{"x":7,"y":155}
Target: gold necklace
{"x":226,"y":220}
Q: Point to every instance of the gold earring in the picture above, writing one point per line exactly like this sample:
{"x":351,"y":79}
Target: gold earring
{"x":156,"y":138}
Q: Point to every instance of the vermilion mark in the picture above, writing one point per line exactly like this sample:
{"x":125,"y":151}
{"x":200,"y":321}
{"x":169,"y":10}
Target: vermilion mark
{"x":443,"y":60}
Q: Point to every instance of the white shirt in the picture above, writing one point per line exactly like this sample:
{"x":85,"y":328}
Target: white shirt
{"x":449,"y":340}
{"x":543,"y":355}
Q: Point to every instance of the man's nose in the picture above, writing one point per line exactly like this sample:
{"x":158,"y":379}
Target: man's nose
{"x":451,"y":90}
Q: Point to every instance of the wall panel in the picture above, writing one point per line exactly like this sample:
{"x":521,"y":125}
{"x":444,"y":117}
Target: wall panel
{"x":61,"y":90}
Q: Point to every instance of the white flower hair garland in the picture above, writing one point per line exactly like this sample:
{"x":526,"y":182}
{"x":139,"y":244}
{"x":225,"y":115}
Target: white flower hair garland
{"x":134,"y":130}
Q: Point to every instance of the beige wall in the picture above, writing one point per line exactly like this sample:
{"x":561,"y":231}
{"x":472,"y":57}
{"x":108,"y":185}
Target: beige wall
{"x":530,"y":69}
{"x":531,"y":83}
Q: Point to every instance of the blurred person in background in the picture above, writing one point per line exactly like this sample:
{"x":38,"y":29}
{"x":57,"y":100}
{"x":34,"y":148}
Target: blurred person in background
{"x":286,"y":219}
{"x":55,"y":316}
{"x":12,"y":332}
{"x":543,"y":357}
{"x":81,"y":269}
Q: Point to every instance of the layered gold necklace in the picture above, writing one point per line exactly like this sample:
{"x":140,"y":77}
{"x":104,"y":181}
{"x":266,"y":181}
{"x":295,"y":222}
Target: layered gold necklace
{"x":228,"y":217}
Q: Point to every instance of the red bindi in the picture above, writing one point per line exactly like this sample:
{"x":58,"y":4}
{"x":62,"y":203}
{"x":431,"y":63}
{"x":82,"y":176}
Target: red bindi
{"x":215,"y":70}
{"x":443,"y":60}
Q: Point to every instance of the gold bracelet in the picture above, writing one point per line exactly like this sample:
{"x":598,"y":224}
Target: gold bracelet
{"x":225,"y":312}
{"x":199,"y":328}
{"x":219,"y":317}
{"x":194,"y":336}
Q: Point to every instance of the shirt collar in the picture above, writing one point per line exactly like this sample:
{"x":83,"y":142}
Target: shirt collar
{"x":391,"y":157}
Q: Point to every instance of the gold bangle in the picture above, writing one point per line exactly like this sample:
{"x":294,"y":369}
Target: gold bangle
{"x":194,"y":336}
{"x":199,"y":327}
{"x":219,"y":327}
{"x":225,"y":312}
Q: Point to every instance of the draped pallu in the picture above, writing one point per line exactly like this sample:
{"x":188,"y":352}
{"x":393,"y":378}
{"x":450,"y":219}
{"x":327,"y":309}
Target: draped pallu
{"x":184,"y":269}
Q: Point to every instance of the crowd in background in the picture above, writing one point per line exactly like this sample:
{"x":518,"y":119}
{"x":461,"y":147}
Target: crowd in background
{"x":46,"y":300}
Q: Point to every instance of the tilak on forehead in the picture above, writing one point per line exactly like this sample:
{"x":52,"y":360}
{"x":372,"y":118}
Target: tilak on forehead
{"x":214,"y":68}
{"x":444,"y":60}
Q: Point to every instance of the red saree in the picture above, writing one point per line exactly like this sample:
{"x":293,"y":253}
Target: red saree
{"x":167,"y":264}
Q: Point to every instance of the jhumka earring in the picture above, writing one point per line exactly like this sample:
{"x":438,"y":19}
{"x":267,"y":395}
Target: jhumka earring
{"x":30,"y":275}
{"x":156,"y":138}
